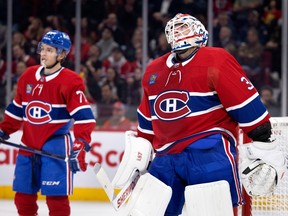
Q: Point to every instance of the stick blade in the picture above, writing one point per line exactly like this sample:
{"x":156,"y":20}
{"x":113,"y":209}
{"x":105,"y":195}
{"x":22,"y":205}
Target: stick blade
{"x":104,"y":180}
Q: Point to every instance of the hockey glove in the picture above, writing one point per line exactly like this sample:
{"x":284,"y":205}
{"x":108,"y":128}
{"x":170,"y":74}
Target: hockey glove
{"x":77,"y":157}
{"x":3,"y":136}
{"x":262,"y":166}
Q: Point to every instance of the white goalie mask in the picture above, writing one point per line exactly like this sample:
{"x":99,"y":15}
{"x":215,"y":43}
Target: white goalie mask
{"x":185,"y":31}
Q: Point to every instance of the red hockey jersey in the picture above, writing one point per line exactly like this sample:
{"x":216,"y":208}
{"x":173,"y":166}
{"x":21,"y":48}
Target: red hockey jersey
{"x":185,"y":101}
{"x":46,"y":105}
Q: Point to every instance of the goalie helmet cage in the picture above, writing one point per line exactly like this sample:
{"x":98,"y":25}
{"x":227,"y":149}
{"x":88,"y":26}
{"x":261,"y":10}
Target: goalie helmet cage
{"x":276,"y":204}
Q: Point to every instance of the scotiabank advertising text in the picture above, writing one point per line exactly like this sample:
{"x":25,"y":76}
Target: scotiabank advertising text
{"x":107,"y":149}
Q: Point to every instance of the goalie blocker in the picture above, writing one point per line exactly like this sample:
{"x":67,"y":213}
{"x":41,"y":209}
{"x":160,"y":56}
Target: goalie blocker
{"x":262,"y":166}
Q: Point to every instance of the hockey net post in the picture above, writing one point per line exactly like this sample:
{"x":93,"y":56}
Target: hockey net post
{"x":276,"y":204}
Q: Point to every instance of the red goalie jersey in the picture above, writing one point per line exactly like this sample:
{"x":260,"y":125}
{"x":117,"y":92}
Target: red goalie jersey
{"x":46,"y":106}
{"x":186,"y":101}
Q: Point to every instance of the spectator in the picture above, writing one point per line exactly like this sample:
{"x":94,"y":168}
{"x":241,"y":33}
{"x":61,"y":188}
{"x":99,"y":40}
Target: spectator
{"x":134,"y":87}
{"x":19,"y":54}
{"x":271,"y":13}
{"x":34,"y":32}
{"x":220,"y":6}
{"x":127,"y":16}
{"x":104,"y":106}
{"x":118,"y":120}
{"x":3,"y":67}
{"x":134,"y":44}
{"x":117,"y":83}
{"x":118,"y":61}
{"x":253,"y":19}
{"x":249,"y":56}
{"x":223,"y":19}
{"x":242,"y":8}
{"x":20,"y":68}
{"x":267,"y":98}
{"x":226,"y":41}
{"x":84,"y":49}
{"x":3,"y":40}
{"x":33,"y":35}
{"x":94,"y":73}
{"x":106,"y":43}
{"x":162,"y":46}
{"x":118,"y":32}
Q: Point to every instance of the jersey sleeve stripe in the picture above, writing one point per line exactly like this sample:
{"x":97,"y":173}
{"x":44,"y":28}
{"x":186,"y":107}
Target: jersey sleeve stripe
{"x":85,"y":121}
{"x":255,"y":121}
{"x":79,"y":108}
{"x":13,"y":116}
{"x":16,"y":104}
{"x":250,"y":113}
{"x":14,"y":111}
{"x":145,"y":131}
{"x":243,"y":104}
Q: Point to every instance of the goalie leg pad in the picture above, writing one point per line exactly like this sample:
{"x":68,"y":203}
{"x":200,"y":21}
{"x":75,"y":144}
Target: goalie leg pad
{"x":208,"y":199}
{"x":148,"y":191}
{"x":137,"y":156}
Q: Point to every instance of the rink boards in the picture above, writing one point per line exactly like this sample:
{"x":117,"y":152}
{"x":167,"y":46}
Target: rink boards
{"x":107,"y":148}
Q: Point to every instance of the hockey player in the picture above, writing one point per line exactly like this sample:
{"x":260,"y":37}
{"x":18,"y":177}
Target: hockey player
{"x":49,"y":97}
{"x":195,"y":98}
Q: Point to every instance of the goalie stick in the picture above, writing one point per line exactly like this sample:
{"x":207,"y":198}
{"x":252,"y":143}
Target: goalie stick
{"x":119,"y":199}
{"x":35,"y":151}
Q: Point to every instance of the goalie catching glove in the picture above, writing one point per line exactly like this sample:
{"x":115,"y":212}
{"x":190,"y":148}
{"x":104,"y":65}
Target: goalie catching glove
{"x":77,"y":157}
{"x":262,"y":166}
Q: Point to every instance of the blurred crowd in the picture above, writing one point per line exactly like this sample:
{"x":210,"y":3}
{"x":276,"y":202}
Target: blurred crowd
{"x":111,"y":44}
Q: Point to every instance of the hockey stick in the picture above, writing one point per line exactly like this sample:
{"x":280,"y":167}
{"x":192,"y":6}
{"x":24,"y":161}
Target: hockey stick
{"x":35,"y":151}
{"x":119,"y":199}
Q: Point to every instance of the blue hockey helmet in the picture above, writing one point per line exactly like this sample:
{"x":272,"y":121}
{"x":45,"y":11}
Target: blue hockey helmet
{"x":57,"y":39}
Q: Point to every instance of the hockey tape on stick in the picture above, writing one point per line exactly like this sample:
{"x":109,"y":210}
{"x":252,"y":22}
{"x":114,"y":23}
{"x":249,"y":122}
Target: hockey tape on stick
{"x":35,"y":151}
{"x":119,"y":199}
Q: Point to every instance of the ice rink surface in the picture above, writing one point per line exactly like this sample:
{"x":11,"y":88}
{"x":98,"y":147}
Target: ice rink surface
{"x":7,"y":208}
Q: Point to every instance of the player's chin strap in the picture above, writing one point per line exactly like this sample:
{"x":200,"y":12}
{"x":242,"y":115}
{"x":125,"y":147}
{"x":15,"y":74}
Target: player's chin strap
{"x":50,"y":67}
{"x":179,"y":52}
{"x":262,"y":166}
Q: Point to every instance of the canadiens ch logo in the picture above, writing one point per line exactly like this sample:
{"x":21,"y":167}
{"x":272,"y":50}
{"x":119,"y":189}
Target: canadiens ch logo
{"x":37,"y":112}
{"x":172,"y":105}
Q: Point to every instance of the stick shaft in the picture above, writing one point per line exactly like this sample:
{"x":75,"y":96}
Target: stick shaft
{"x":124,"y":194}
{"x":35,"y":151}
{"x":104,"y":181}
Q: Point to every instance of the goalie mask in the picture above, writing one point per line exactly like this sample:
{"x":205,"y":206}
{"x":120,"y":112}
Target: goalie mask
{"x":185,"y":31}
{"x":57,"y":39}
